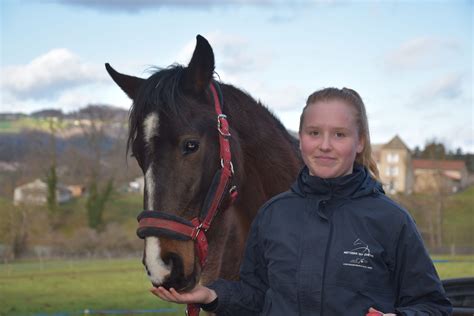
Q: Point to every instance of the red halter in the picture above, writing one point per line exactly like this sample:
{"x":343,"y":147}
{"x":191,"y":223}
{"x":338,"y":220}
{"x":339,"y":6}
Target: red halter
{"x":156,"y":223}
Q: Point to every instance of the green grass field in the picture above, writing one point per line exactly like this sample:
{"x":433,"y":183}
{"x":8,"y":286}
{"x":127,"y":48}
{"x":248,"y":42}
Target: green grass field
{"x":71,"y":287}
{"x":449,"y":267}
{"x":102,"y":286}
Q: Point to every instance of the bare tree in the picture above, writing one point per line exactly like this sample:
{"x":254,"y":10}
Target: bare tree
{"x":100,"y":127}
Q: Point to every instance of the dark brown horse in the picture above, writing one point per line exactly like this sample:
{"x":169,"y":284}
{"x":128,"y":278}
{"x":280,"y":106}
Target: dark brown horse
{"x":174,"y":138}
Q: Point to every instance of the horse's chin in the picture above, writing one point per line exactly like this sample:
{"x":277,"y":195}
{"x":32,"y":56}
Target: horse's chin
{"x":180,"y":285}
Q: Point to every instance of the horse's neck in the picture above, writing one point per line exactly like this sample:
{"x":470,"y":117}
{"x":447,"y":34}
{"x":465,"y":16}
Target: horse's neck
{"x":271,"y":160}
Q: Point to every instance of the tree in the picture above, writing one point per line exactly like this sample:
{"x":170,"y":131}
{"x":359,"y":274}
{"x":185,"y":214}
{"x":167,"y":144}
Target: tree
{"x":434,"y":150}
{"x":52,"y":182}
{"x":96,"y":202}
{"x":101,"y":129}
{"x":417,"y":152}
{"x":14,"y":229}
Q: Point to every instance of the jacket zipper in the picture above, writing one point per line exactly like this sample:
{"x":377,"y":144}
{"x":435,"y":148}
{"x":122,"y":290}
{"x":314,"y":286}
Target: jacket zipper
{"x":325,"y":264}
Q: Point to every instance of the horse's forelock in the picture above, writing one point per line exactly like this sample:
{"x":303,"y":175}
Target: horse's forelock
{"x":160,"y":93}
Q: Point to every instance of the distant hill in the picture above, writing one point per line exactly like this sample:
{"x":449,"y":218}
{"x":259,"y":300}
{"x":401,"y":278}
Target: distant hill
{"x":22,"y":134}
{"x":88,"y":112}
{"x":68,"y":123}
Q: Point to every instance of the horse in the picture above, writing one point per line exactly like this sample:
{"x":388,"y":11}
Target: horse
{"x":198,"y":142}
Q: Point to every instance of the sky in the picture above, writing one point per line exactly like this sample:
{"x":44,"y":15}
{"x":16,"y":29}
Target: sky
{"x":411,"y":61}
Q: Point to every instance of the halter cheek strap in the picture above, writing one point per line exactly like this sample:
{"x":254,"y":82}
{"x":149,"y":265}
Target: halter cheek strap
{"x":161,"y":224}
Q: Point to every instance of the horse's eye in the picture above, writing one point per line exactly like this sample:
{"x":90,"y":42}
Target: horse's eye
{"x":190,"y":146}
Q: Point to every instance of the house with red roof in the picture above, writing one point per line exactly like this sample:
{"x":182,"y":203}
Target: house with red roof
{"x":400,"y":173}
{"x":440,"y":175}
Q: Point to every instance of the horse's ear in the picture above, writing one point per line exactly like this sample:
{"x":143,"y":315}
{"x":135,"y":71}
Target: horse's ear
{"x":199,"y":72}
{"x":128,"y":84}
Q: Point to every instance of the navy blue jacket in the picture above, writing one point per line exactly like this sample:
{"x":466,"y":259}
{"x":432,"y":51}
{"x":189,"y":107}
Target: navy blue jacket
{"x":333,"y":247}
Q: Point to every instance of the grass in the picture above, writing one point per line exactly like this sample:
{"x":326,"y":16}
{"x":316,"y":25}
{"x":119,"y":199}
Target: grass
{"x":458,"y":221}
{"x":5,"y":126}
{"x":449,"y":267}
{"x":70,"y":287}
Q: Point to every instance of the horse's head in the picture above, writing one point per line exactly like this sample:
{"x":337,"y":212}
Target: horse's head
{"x":174,"y":138}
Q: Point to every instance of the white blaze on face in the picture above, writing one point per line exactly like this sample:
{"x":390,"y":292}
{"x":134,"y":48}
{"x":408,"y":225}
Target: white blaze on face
{"x":150,"y":126}
{"x":150,"y":130}
{"x":156,"y":267}
{"x":150,"y":188}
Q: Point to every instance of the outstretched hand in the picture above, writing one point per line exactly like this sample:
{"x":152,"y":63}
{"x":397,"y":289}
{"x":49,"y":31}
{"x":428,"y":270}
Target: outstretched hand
{"x":199,"y":294}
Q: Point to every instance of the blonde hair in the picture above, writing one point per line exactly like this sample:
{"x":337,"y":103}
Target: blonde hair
{"x":351,"y":97}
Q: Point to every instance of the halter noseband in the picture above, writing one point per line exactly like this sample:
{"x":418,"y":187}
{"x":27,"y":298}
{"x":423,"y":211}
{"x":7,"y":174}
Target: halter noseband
{"x":157,"y":223}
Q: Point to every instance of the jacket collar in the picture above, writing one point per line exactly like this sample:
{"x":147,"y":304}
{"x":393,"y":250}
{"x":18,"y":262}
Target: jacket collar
{"x":356,"y":184}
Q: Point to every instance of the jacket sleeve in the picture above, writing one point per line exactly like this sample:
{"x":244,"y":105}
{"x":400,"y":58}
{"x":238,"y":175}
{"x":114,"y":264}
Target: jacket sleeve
{"x":419,"y":288}
{"x":246,"y":296}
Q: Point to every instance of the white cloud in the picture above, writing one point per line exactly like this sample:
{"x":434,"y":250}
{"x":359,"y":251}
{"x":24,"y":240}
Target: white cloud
{"x":446,"y":87}
{"x":420,"y":52}
{"x":68,"y":100}
{"x":133,"y":6}
{"x":49,"y":74}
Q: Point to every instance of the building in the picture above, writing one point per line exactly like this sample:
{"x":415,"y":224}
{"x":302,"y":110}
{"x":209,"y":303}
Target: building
{"x":36,"y":193}
{"x":137,"y":185}
{"x":400,"y":173}
{"x":448,"y":176}
{"x":395,"y":166}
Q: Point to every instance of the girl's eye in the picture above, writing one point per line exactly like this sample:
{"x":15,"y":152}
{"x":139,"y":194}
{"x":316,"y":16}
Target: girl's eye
{"x":190,"y":147}
{"x":314,"y":133}
{"x":340,"y":134}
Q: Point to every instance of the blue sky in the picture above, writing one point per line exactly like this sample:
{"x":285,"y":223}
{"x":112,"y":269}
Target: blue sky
{"x":412,"y":61}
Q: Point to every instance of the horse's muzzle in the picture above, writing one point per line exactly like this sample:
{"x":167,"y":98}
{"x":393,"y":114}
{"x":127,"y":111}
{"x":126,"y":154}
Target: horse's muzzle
{"x":177,"y":278}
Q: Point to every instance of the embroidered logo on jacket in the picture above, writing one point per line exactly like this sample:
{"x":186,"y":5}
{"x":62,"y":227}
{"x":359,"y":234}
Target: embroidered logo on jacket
{"x":359,"y":256}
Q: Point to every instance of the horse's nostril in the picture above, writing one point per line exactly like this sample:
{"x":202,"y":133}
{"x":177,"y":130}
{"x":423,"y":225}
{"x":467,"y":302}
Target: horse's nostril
{"x":176,"y":279}
{"x":174,"y":263}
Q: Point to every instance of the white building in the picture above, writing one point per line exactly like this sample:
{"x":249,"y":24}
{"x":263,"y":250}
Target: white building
{"x":36,"y":192}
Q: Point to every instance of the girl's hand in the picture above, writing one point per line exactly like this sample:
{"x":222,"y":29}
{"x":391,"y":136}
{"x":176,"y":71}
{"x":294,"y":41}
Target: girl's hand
{"x":374,"y":312}
{"x":200,"y":295}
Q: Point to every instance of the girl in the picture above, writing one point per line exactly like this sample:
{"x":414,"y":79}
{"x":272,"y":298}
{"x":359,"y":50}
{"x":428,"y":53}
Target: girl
{"x":333,"y":244}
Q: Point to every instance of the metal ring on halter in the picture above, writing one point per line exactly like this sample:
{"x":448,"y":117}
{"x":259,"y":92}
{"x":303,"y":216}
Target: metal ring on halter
{"x":219,"y":125}
{"x":198,"y":229}
{"x":231,"y":165}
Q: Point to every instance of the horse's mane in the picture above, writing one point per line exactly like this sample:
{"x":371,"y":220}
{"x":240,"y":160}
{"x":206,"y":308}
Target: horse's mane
{"x":163,"y":88}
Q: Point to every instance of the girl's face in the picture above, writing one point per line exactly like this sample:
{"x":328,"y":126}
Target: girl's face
{"x":329,"y":138}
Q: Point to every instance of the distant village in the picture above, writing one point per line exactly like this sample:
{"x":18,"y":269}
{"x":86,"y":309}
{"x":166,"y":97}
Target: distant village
{"x":399,"y":173}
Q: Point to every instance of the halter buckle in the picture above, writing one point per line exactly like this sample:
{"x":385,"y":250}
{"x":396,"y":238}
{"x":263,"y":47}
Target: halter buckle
{"x":219,"y":125}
